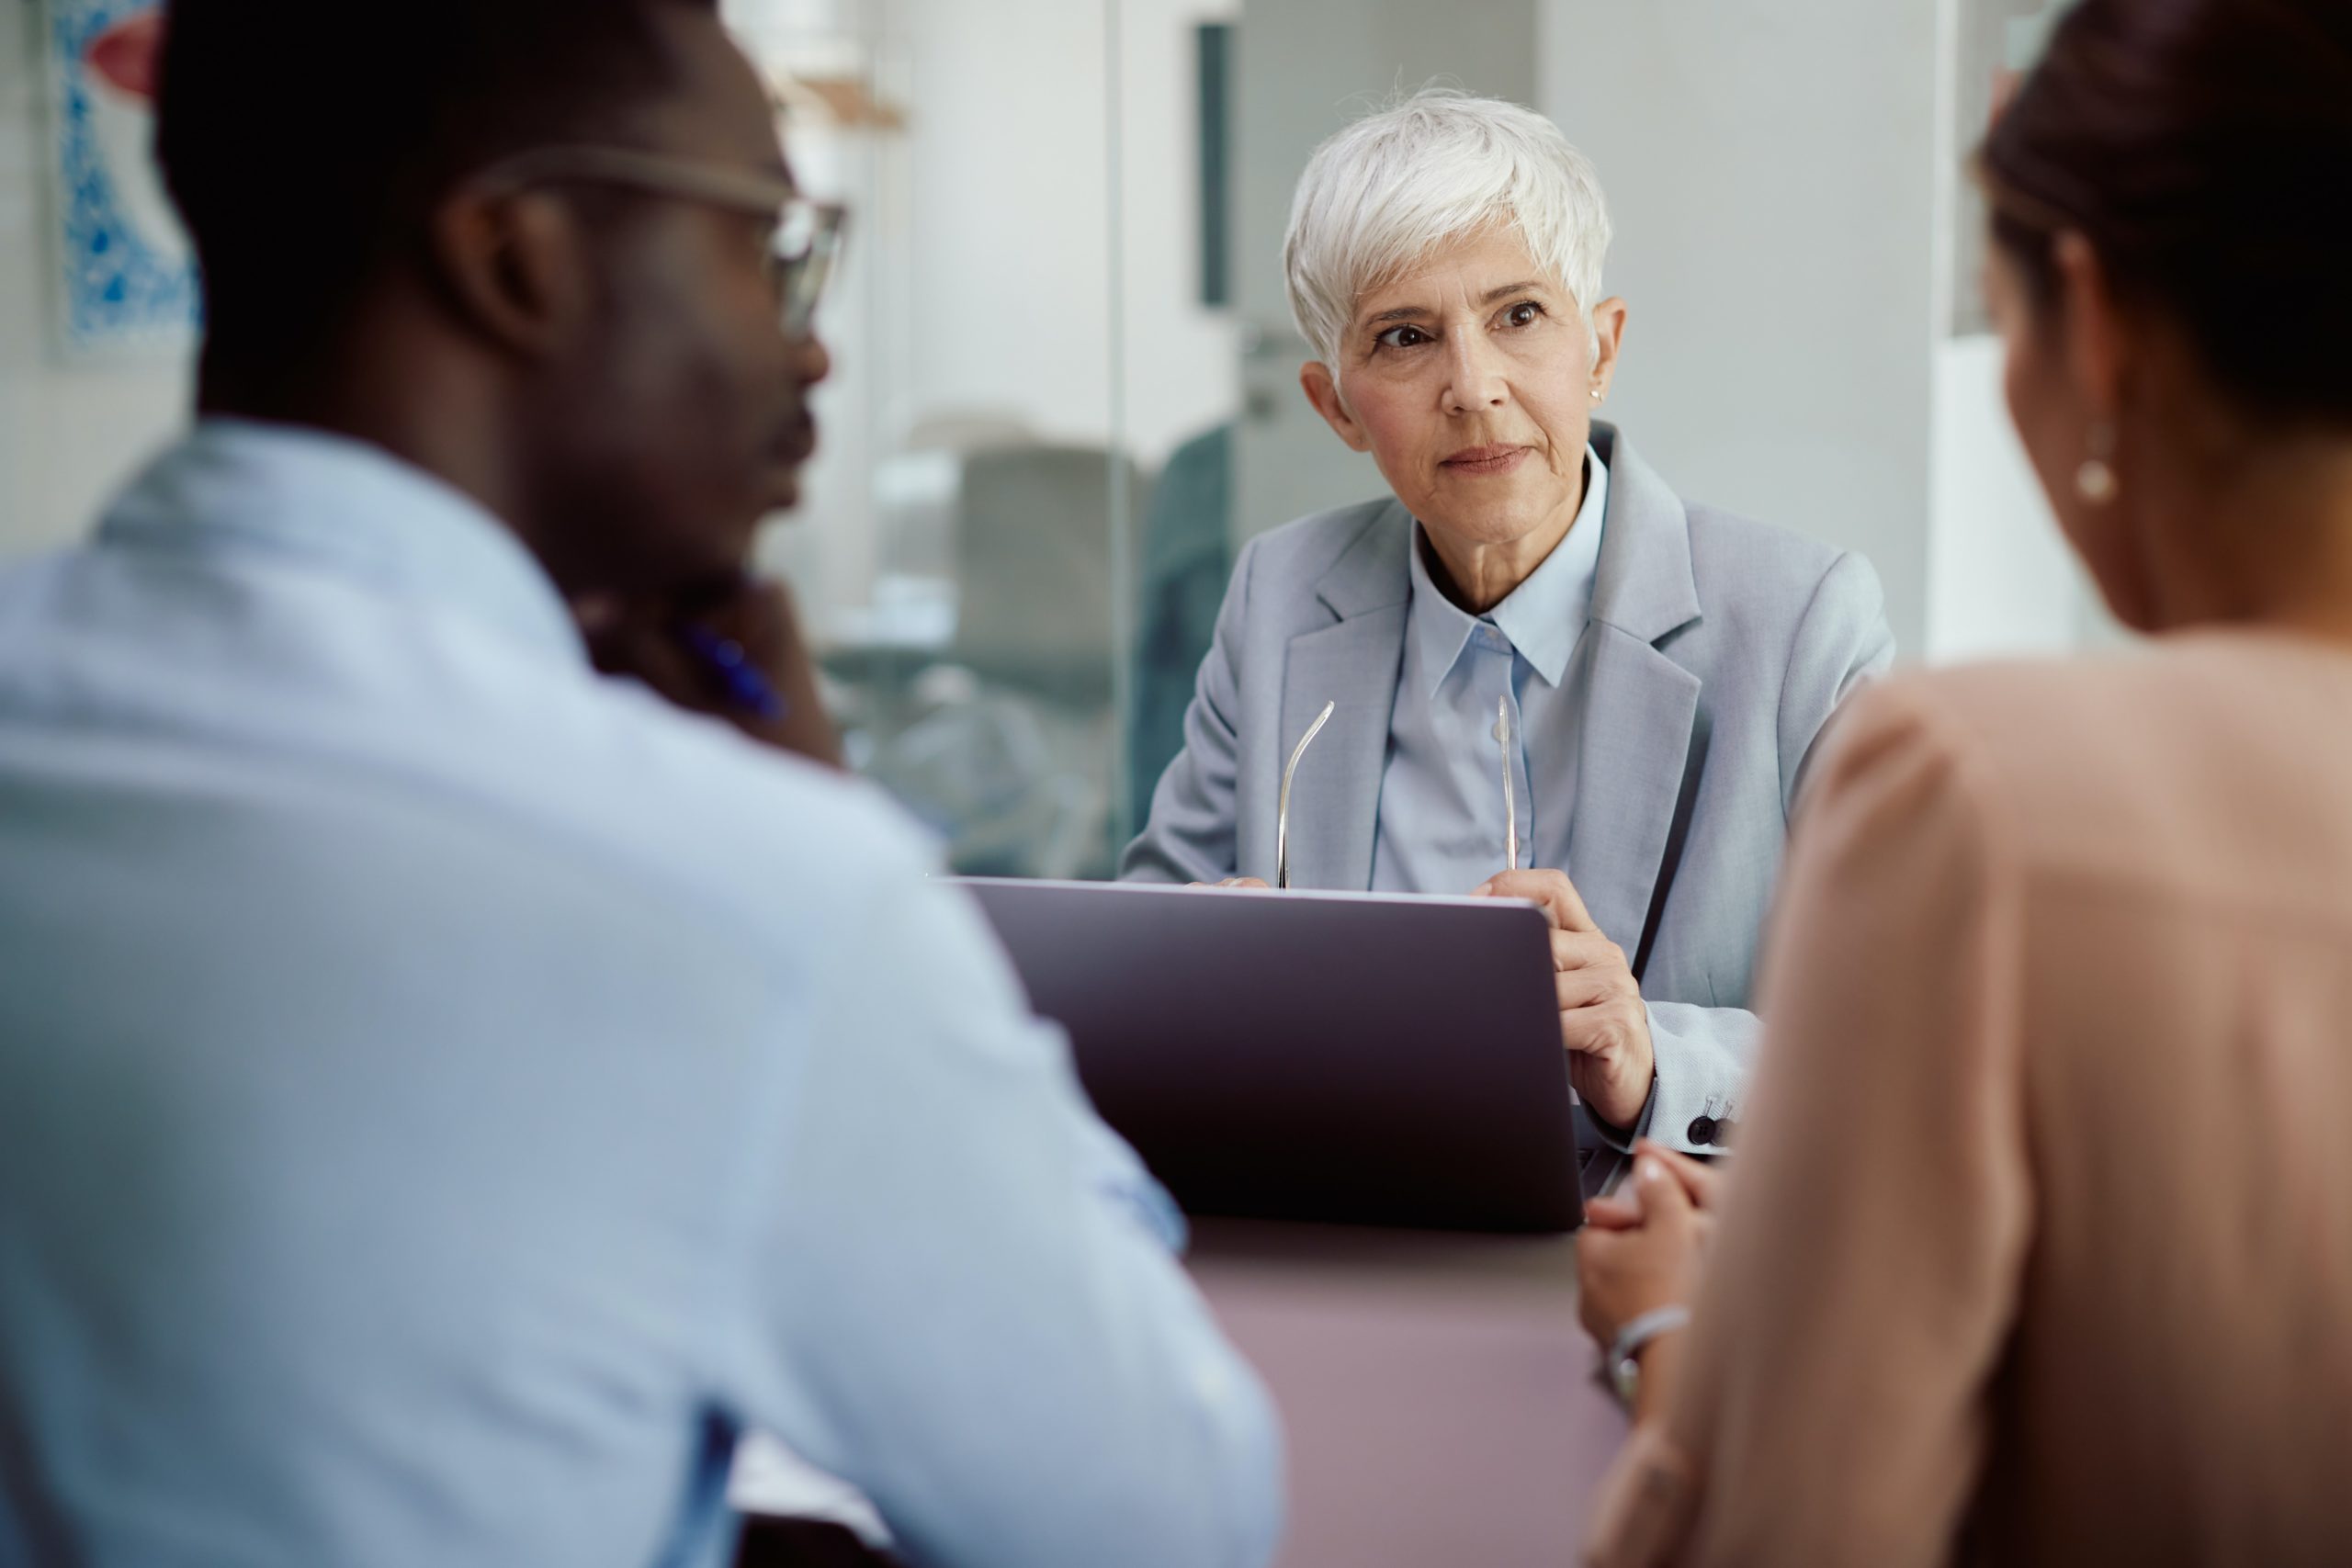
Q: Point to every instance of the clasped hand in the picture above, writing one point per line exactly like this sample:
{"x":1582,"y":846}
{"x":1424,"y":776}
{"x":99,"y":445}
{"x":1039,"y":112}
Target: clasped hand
{"x":1641,"y":1248}
{"x":1602,"y":1021}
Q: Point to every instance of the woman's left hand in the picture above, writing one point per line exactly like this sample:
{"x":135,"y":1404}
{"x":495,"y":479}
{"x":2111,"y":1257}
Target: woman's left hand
{"x":1642,"y":1249}
{"x":1602,"y":1021}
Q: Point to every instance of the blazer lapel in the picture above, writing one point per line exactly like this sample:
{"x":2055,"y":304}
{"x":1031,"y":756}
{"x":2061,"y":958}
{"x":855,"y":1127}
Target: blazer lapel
{"x":1353,"y":665}
{"x":1637,"y":727}
{"x":1641,"y":708}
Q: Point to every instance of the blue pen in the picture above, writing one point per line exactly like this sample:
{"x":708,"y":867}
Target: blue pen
{"x":747,"y":688}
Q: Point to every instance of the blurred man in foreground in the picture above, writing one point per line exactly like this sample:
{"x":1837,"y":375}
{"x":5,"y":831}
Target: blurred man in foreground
{"x":445,"y":1096}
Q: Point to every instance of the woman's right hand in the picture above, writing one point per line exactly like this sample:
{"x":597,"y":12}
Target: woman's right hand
{"x":1643,"y":1246}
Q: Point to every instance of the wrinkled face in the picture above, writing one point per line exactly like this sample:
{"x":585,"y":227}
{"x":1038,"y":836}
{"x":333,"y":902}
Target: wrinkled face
{"x":1472,"y":383}
{"x":683,"y":416}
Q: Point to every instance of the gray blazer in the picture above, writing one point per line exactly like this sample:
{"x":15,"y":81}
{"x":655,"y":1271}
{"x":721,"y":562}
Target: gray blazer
{"x":1722,"y":647}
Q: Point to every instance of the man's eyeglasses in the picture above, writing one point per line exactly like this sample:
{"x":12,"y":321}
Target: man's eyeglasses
{"x":802,"y":240}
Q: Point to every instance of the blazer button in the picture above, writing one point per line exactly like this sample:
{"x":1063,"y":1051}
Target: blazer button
{"x":1702,"y":1130}
{"x":1723,"y":1130}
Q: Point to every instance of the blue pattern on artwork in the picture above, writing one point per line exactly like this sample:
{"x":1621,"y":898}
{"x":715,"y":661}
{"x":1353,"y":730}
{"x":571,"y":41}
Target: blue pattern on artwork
{"x":118,"y":289}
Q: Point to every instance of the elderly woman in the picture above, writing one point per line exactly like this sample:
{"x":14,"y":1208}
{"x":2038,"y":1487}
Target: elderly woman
{"x":1532,"y":603}
{"x":2041,"y":1251}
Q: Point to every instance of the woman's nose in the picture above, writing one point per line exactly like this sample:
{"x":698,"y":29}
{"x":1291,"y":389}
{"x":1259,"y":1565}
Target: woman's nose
{"x":1473,"y":376}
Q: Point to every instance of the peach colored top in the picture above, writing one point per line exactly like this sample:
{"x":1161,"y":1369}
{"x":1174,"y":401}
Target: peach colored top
{"x":2040,"y":1243}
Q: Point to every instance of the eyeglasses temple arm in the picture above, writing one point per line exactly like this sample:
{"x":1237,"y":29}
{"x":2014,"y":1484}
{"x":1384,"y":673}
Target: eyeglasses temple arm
{"x":1510,"y":806}
{"x":1281,"y":807}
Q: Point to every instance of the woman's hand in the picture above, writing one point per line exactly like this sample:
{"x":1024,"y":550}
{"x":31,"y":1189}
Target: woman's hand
{"x":1642,"y":1249}
{"x":669,"y":643}
{"x":1602,"y":1021}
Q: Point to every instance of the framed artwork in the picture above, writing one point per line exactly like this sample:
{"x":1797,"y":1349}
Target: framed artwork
{"x":127,"y":286}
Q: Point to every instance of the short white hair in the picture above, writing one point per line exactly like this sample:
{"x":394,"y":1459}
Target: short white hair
{"x":1396,"y":186}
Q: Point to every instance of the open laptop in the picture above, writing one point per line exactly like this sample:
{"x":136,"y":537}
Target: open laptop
{"x":1313,"y":1056}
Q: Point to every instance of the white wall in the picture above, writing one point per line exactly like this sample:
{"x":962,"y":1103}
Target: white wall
{"x":2000,"y":579}
{"x":1770,"y":168}
{"x":68,"y":437}
{"x":1008,"y":158}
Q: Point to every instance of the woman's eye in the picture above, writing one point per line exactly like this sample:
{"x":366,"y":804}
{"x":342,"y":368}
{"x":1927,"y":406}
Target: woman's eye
{"x":1402,"y":337}
{"x":1526,"y":313}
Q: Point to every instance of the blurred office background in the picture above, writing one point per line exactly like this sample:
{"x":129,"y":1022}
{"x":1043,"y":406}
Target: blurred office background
{"x":1067,"y":375}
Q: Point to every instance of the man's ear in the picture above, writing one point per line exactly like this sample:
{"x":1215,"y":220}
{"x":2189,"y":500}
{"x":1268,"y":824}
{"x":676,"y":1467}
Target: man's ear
{"x":513,"y":264}
{"x":1323,"y":396}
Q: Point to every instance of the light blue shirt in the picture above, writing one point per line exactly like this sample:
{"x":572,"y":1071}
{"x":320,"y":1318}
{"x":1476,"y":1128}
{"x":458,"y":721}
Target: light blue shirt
{"x":446,"y":1097}
{"x":1440,"y":823}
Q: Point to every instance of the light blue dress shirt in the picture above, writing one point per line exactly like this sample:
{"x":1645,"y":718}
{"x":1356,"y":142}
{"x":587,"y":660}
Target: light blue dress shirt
{"x":446,"y":1097}
{"x":1440,"y":823}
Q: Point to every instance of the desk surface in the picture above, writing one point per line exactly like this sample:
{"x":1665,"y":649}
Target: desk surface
{"x":1436,"y":1392}
{"x":1438,"y":1395}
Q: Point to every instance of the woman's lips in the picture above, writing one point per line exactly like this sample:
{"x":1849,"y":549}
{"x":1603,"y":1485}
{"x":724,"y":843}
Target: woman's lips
{"x":1482,"y":460}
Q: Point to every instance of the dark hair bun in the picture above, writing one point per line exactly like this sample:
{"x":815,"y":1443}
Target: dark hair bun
{"x":2204,"y":148}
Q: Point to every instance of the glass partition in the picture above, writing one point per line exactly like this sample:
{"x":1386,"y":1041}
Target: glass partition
{"x":1026,"y":437}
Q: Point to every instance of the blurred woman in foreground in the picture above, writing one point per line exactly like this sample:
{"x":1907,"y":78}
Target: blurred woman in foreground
{"x":2040,"y":1249}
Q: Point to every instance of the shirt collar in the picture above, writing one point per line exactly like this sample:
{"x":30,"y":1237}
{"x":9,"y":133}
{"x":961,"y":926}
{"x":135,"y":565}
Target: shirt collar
{"x":1543,"y":617}
{"x":344,"y":506}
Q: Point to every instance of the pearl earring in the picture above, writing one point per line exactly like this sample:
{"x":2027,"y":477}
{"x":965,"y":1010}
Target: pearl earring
{"x":2095,"y":481}
{"x":1596,"y":394}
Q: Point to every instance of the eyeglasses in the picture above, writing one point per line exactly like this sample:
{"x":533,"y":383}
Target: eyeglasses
{"x":1282,"y":806}
{"x":799,"y":245}
{"x":1511,"y":807}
